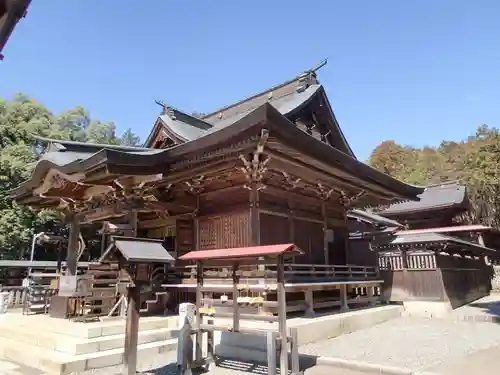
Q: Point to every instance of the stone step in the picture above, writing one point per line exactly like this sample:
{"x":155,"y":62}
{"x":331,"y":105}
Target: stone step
{"x":76,"y":346}
{"x":57,"y":363}
{"x":106,"y":327}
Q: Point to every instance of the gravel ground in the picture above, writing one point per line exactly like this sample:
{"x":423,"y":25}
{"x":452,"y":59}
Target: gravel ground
{"x":411,"y":343}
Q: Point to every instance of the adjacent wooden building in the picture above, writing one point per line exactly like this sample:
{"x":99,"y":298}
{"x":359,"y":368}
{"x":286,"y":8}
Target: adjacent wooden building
{"x":424,"y":251}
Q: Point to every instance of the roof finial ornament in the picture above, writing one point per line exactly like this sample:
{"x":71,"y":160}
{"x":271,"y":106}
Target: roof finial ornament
{"x":162,"y":105}
{"x":309,"y":76}
{"x":319,"y":66}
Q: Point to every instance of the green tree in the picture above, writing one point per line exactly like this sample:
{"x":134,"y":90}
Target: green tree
{"x":474,"y":161}
{"x":21,"y":117}
{"x":129,"y":138}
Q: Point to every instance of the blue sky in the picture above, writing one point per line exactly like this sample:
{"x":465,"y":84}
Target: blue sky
{"x":417,"y":72}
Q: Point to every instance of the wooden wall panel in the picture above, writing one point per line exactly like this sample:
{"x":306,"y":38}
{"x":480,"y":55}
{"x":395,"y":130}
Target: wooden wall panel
{"x":308,"y":236}
{"x":301,"y":239}
{"x":317,"y":243}
{"x":224,"y":231}
{"x":185,"y":237}
{"x":274,"y":230}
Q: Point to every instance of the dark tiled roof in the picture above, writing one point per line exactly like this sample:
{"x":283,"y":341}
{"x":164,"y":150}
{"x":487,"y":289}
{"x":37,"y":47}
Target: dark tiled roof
{"x":188,"y":128}
{"x":288,"y":98}
{"x":140,"y":250}
{"x":449,"y":194}
{"x":401,"y":240}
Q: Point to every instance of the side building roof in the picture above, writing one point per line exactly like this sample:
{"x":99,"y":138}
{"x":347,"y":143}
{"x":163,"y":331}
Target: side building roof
{"x":440,"y":196}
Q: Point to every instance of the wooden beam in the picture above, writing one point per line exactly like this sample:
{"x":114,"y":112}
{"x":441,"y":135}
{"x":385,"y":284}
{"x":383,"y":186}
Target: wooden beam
{"x":293,"y":215}
{"x":214,"y":168}
{"x":162,"y":222}
{"x":312,"y":173}
{"x":226,"y":190}
{"x":297,"y":197}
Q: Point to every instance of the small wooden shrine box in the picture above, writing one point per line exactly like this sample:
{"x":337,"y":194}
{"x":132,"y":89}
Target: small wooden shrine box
{"x":137,"y":256}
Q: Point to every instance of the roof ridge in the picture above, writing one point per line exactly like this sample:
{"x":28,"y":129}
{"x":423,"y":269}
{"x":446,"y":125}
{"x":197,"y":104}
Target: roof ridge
{"x":169,"y":112}
{"x":302,"y":75}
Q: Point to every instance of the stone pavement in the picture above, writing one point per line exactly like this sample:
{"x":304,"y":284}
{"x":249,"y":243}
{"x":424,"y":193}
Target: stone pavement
{"x":484,"y":362}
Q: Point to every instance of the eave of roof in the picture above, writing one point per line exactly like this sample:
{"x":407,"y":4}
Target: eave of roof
{"x":15,"y":11}
{"x":374,"y":219}
{"x":265,"y":116}
{"x":72,"y":157}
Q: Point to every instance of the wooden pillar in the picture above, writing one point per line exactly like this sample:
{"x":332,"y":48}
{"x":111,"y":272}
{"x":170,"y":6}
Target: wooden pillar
{"x":196,"y":224}
{"x":132,"y":330}
{"x":282,"y":316}
{"x":346,"y":237}
{"x":370,"y":292}
{"x":294,"y":351}
{"x":291,"y":225}
{"x":344,"y":306}
{"x":271,"y":353}
{"x":254,"y":215}
{"x":72,"y":252}
{"x":133,"y":222}
{"x":236,"y":307}
{"x":308,"y":294}
{"x":325,"y":233}
{"x":199,"y":296}
{"x":404,"y":258}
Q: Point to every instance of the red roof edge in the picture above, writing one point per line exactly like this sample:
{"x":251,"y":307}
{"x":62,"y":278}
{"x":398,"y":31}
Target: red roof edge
{"x":243,"y":252}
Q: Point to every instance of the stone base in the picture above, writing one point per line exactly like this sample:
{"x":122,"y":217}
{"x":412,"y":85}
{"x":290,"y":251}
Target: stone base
{"x":252,"y":348}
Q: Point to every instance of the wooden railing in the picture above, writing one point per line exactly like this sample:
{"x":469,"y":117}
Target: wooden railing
{"x":294,"y":273}
{"x":17,"y":295}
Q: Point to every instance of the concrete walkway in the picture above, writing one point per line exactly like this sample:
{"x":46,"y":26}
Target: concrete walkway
{"x":484,"y":362}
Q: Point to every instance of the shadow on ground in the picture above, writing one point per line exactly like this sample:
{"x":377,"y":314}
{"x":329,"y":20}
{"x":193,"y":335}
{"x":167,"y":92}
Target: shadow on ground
{"x":491,"y":308}
{"x":306,"y":361}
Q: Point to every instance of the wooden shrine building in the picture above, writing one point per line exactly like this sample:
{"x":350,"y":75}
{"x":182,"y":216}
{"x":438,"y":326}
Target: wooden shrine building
{"x":424,"y":252}
{"x":272,"y":169}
